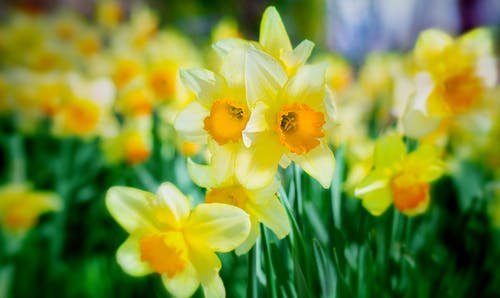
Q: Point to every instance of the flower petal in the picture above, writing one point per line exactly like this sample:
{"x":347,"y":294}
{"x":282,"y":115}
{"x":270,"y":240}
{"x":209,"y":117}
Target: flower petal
{"x":296,"y":58}
{"x":220,"y":227}
{"x":131,"y":208}
{"x":264,"y":77}
{"x":183,"y":284}
{"x":207,"y":85}
{"x":214,"y":287}
{"x":128,"y":257}
{"x":425,"y":162}
{"x":307,"y":86}
{"x":257,"y":166}
{"x":273,"y":36}
{"x":264,"y":194}
{"x":273,"y":215}
{"x":200,"y":174}
{"x":207,"y":266}
{"x":224,"y":46}
{"x":389,"y":151}
{"x":251,"y":239}
{"x":173,"y":200}
{"x":257,"y":123}
{"x":430,"y":44}
{"x":319,"y":163}
{"x":223,"y":161}
{"x":377,"y":201}
{"x":189,"y":123}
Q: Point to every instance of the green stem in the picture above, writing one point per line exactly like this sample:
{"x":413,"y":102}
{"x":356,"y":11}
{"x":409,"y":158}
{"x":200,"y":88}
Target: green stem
{"x":252,"y":290}
{"x":298,"y":192}
{"x":18,"y":155}
{"x":271,"y":284}
{"x":336,"y":189}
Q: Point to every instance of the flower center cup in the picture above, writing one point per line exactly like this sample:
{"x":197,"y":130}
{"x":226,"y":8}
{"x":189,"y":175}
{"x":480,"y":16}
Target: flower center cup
{"x":299,"y":127}
{"x":226,"y":121}
{"x":408,"y":193}
{"x":232,"y":195}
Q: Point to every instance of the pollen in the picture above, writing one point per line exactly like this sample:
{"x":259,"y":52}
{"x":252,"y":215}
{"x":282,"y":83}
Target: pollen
{"x":226,"y":121}
{"x":409,"y":193}
{"x":166,"y":253}
{"x":299,"y":127}
{"x":231,"y":195}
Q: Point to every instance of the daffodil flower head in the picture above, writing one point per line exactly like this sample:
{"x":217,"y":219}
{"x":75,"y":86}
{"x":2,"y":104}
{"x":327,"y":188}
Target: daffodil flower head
{"x":170,"y":238}
{"x":262,"y":204}
{"x":399,"y":177}
{"x":452,"y":77}
{"x":20,"y":206}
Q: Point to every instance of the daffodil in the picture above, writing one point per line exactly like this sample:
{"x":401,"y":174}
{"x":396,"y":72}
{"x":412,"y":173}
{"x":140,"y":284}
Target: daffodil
{"x":399,"y":177}
{"x":20,"y":206}
{"x":170,"y":238}
{"x":452,"y":77}
{"x":262,"y":204}
{"x":274,"y":40}
{"x":290,"y":120}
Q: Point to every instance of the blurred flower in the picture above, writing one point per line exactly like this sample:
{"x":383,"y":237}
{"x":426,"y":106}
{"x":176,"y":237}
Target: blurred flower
{"x":169,"y":238}
{"x":452,"y":79}
{"x":20,"y":206}
{"x":399,"y":177}
{"x":262,"y":204}
{"x":109,"y":13}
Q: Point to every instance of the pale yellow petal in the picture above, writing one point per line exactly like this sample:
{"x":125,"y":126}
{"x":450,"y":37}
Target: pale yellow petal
{"x":307,"y":86}
{"x":128,"y":257}
{"x":319,"y":163}
{"x":201,"y":175}
{"x":273,"y":215}
{"x":189,"y":123}
{"x":264,"y":77}
{"x":273,"y":36}
{"x":425,"y":163}
{"x":430,"y":44}
{"x":224,"y":46}
{"x":264,"y":194}
{"x":205,"y":262}
{"x":417,"y":125}
{"x":298,"y":57}
{"x":184,"y":283}
{"x":233,"y":71}
{"x":172,"y":200}
{"x":377,"y":201}
{"x":389,"y":151}
{"x":214,"y":287}
{"x":131,"y":208}
{"x":257,"y":166}
{"x":223,"y":161}
{"x":251,"y":239}
{"x":259,"y":122}
{"x":220,"y":227}
{"x":207,"y":86}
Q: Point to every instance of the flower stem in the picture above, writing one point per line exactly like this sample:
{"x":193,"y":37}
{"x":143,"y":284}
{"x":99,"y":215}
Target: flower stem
{"x":271,"y":285}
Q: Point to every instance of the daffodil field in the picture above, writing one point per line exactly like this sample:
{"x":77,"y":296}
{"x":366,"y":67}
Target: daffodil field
{"x":146,"y":157}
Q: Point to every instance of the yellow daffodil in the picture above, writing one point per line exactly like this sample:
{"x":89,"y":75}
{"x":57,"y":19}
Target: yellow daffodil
{"x":20,"y":206}
{"x":452,"y":77}
{"x":262,"y":204}
{"x":135,"y":100}
{"x":169,"y":238}
{"x":274,"y":40}
{"x":132,"y":144}
{"x":289,"y":121}
{"x":399,"y":177}
{"x":109,"y":13}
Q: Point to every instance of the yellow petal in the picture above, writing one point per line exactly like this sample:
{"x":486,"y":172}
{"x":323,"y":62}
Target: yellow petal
{"x":429,"y":46}
{"x":223,"y":161}
{"x":264,"y":194}
{"x":224,"y":46}
{"x":417,"y":125}
{"x":220,"y":227}
{"x":131,"y":208}
{"x":251,"y":239}
{"x":200,"y":174}
{"x":264,"y":77}
{"x":214,"y":287}
{"x":479,"y":41}
{"x":425,"y":163}
{"x":257,"y":166}
{"x":377,"y":201}
{"x":259,"y":122}
{"x":307,"y":86}
{"x":189,"y":123}
{"x":273,"y":36}
{"x":205,"y":262}
{"x":232,"y":69}
{"x":375,"y":192}
{"x":389,"y":151}
{"x":182,"y":284}
{"x":169,"y":197}
{"x":207,"y":85}
{"x":319,"y":163}
{"x":298,"y":57}
{"x":273,"y":215}
{"x":128,"y":257}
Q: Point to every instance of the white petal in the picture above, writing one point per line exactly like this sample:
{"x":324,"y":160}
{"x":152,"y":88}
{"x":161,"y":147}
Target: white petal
{"x":189,"y":123}
{"x":207,"y":85}
{"x":184,"y":283}
{"x":319,"y":163}
{"x":128,"y":257}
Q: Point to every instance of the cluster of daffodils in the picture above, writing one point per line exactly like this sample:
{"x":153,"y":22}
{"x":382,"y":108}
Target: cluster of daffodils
{"x":100,"y":78}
